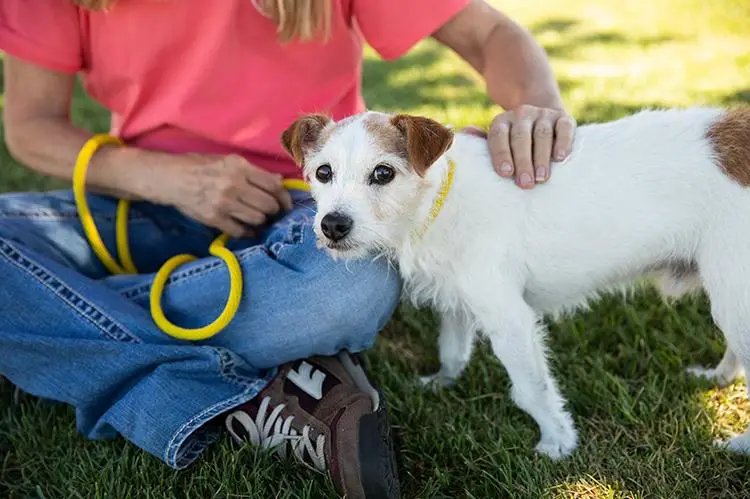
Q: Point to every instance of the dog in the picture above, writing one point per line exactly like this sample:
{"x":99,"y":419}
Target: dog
{"x":660,"y":194}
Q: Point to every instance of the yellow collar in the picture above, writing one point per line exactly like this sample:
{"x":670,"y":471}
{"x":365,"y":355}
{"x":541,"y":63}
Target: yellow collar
{"x":439,"y":201}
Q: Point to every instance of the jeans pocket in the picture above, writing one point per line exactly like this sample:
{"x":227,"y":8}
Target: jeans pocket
{"x":294,"y":229}
{"x":284,"y":235}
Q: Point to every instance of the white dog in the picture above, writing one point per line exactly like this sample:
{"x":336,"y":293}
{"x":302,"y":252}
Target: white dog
{"x":659,"y":193}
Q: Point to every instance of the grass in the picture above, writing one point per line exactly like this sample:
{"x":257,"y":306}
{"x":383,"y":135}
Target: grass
{"x":646,"y":429}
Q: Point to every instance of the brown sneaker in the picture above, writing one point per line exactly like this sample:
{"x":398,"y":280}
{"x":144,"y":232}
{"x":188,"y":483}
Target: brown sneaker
{"x":331,"y":417}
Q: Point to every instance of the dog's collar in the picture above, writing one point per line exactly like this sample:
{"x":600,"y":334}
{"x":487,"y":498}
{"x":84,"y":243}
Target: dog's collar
{"x":439,"y":201}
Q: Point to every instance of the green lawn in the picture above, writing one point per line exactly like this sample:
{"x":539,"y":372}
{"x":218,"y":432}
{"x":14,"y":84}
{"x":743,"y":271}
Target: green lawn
{"x":645,"y":429}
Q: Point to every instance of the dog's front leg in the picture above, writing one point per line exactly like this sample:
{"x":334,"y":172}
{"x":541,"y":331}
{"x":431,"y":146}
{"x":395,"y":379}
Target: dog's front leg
{"x":518,"y":341}
{"x":455,"y":343}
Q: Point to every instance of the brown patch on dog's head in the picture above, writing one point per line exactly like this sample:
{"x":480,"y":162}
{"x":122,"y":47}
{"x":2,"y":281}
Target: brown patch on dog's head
{"x":304,"y":135}
{"x":730,"y":139}
{"x":388,"y":138}
{"x":424,"y":140}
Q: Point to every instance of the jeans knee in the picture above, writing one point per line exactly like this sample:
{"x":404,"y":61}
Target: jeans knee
{"x":312,"y":306}
{"x":357,"y":300}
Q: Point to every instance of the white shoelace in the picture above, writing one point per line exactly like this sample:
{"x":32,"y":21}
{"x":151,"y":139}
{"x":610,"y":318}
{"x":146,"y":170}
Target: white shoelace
{"x":273,"y":432}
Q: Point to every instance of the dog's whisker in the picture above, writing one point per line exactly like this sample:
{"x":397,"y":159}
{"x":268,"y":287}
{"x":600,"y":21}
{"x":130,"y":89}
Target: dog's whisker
{"x":303,"y":206}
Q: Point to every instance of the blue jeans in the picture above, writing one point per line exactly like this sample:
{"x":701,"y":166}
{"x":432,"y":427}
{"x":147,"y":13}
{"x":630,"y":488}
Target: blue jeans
{"x":72,"y":333}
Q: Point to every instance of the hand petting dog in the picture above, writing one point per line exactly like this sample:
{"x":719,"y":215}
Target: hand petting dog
{"x":536,"y":130}
{"x":526,"y":141}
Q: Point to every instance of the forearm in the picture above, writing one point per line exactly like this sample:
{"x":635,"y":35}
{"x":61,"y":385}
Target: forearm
{"x":535,"y":127}
{"x":50,"y":146}
{"x":514,"y":66}
{"x":516,"y":69}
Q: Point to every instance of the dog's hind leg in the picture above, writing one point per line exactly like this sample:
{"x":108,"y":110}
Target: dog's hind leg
{"x":456,"y":342}
{"x":725,"y":270}
{"x":681,"y":278}
{"x":729,"y":369}
{"x":518,"y":341}
{"x":677,"y":279}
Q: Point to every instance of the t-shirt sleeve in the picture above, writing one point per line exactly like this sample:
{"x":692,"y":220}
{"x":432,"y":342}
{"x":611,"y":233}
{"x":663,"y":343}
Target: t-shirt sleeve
{"x":392,"y":27}
{"x":42,"y":32}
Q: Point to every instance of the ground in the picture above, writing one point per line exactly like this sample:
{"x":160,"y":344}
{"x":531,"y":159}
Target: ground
{"x":646,"y":429}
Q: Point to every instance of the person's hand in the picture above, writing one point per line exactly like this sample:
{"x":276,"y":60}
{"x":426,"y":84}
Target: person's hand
{"x":225,"y":192}
{"x":525,"y":141}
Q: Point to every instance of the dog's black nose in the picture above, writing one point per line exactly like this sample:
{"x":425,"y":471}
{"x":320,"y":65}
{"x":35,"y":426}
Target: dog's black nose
{"x":336,"y":226}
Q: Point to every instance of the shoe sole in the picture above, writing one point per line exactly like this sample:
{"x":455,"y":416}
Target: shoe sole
{"x":377,"y":457}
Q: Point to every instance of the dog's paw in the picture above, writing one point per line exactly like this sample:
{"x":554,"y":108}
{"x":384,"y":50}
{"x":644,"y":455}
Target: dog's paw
{"x":739,"y":444}
{"x":437,"y":380}
{"x":710,"y":374}
{"x":560,"y":444}
{"x":555,"y":450}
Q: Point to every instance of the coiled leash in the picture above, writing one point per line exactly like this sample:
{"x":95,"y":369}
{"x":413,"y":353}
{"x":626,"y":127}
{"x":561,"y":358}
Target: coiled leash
{"x":217,"y":249}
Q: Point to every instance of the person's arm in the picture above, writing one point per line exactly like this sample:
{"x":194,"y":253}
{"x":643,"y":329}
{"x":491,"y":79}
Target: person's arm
{"x":535,"y":127}
{"x":224,"y":192}
{"x":40,"y":135}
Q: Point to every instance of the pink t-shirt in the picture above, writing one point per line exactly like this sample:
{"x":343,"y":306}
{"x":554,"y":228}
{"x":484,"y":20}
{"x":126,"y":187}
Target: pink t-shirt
{"x":209,"y":76}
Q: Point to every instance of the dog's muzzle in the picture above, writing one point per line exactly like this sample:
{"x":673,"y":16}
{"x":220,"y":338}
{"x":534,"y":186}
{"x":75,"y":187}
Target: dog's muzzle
{"x":336,"y":226}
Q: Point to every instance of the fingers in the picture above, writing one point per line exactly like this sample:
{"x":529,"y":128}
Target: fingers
{"x":524,"y":142}
{"x":234,"y":217}
{"x":270,"y":184}
{"x":244,"y":213}
{"x":233,"y":228}
{"x":520,"y":144}
{"x":254,"y":198}
{"x":251,"y":205}
{"x":273,"y":186}
{"x":498,"y":139}
{"x":284,"y":198}
{"x":244,"y":197}
{"x":564,"y":131}
{"x":228,"y":219}
{"x":543,"y":135}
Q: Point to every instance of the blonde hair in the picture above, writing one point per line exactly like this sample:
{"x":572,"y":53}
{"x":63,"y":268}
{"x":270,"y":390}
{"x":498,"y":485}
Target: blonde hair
{"x":302,"y":20}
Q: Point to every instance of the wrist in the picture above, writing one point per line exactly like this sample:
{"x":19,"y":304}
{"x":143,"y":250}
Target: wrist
{"x":537,"y":94}
{"x":545,"y":98}
{"x":131,"y":173}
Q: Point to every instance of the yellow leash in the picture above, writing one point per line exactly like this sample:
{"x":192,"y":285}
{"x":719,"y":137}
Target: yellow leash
{"x":217,"y":249}
{"x":437,"y":204}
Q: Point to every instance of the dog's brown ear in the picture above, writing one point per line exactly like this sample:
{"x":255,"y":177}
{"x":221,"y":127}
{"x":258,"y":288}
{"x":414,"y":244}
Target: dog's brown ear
{"x":303,"y":134}
{"x":426,"y":139}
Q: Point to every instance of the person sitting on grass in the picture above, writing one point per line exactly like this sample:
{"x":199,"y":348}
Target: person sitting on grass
{"x":200,"y":92}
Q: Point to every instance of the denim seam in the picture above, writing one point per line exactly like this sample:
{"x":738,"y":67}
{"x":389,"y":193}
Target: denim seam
{"x":174,"y":455}
{"x":226,"y":367}
{"x":56,"y":215}
{"x":90,"y":312}
{"x":295,"y":236}
{"x":179,"y":276}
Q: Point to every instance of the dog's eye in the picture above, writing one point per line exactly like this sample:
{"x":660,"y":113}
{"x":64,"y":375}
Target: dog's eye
{"x":382,"y":174}
{"x":324,"y":174}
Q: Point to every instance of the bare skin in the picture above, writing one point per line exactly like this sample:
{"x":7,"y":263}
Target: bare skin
{"x":231,"y":194}
{"x":227,"y":193}
{"x":536,"y":128}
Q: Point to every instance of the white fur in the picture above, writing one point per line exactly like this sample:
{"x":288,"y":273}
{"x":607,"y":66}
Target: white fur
{"x":638,"y":196}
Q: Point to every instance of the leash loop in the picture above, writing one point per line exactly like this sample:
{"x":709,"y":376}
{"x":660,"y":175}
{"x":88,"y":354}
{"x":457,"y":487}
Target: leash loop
{"x":126,"y":264}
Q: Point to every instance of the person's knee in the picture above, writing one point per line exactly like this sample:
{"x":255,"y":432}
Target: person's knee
{"x":317,"y":307}
{"x":355,"y":301}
